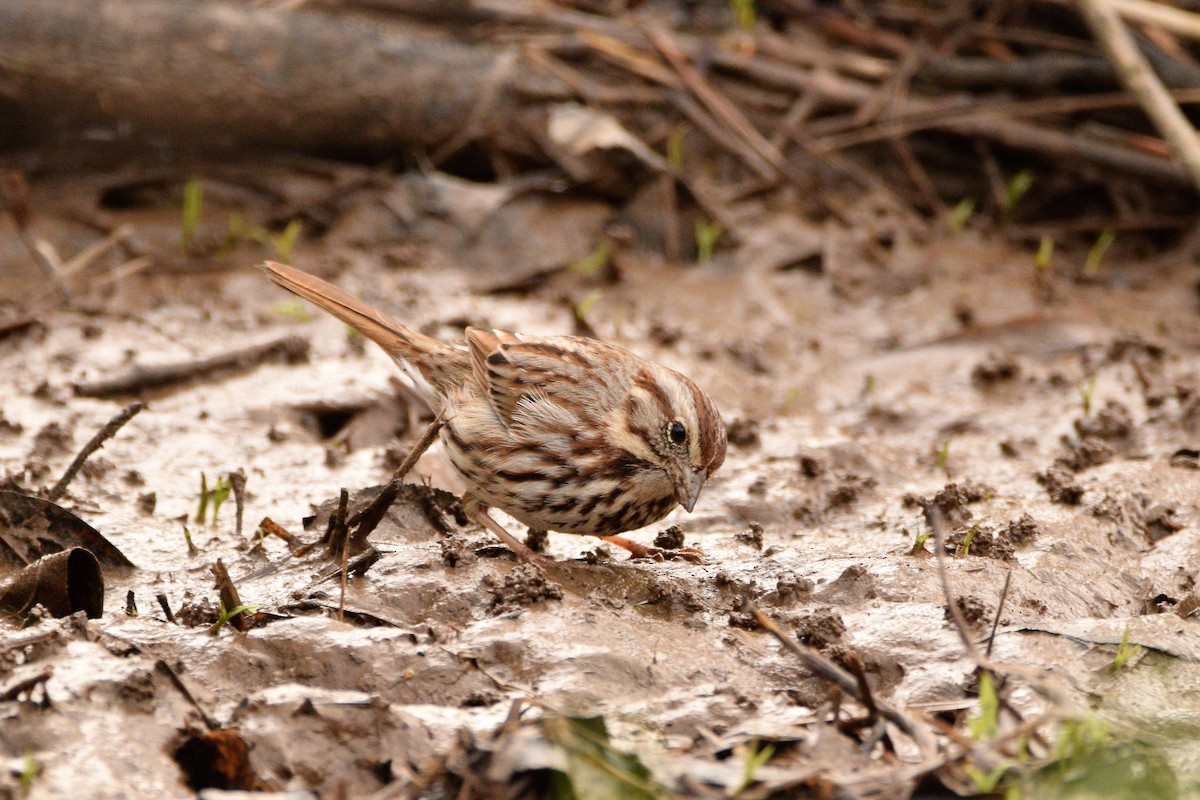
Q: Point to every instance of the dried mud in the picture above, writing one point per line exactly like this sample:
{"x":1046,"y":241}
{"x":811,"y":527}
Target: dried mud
{"x":1054,"y":437}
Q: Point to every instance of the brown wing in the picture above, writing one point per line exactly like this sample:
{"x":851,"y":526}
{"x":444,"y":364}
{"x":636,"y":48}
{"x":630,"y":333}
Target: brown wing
{"x":557,"y":368}
{"x":498,"y":376}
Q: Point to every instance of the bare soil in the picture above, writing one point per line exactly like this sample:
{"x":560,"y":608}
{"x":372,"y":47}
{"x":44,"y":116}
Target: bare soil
{"x":1052,"y":421}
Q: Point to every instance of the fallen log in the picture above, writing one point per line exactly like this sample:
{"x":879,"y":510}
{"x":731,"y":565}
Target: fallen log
{"x":207,"y":71}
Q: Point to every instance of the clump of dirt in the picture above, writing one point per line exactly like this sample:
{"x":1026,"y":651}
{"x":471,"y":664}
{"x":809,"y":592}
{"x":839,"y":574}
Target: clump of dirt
{"x":792,"y":589}
{"x":675,"y":598}
{"x":1132,"y":347}
{"x":1185,"y":458}
{"x":194,"y":612}
{"x":980,"y":540}
{"x":457,"y":550}
{"x":1015,"y":448}
{"x":952,"y":500}
{"x":1113,"y":423}
{"x":995,"y":368}
{"x":810,"y":465}
{"x":848,"y":490}
{"x":820,"y":627}
{"x":524,"y":585}
{"x":52,"y":439}
{"x":752,"y":537}
{"x":1090,"y":451}
{"x":8,"y":427}
{"x":1021,"y":531}
{"x":741,"y":615}
{"x":1061,"y":486}
{"x":743,"y":432}
{"x":974,"y":611}
{"x":669,"y":538}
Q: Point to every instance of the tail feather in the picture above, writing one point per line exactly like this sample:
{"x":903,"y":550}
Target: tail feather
{"x":439,"y":363}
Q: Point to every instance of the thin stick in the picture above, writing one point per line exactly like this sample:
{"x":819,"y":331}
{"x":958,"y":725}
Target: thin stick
{"x":237,"y":482}
{"x":1176,"y":20}
{"x":165,"y":606}
{"x":230,"y":600}
{"x":1137,"y":75}
{"x":938,"y":523}
{"x":831,"y":672}
{"x":291,"y":348}
{"x":94,"y":444}
{"x":999,"y":608}
{"x":365,"y":521}
{"x":720,"y":107}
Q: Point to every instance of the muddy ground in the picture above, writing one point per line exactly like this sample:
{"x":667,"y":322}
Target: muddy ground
{"x":1054,"y":421}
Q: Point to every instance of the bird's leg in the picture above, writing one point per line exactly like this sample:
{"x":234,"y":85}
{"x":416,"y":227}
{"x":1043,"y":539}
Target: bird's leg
{"x":480,"y":515}
{"x":638,"y":550}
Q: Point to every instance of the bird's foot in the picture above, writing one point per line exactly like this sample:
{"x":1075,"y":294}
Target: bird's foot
{"x":645,"y":552}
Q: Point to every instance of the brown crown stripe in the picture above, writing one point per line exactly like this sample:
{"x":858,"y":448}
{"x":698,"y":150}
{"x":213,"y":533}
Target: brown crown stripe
{"x":645,"y":380}
{"x":708,"y":417}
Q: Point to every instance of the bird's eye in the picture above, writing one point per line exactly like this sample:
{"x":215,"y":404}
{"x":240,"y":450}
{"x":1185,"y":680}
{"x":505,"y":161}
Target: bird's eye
{"x":677,"y":432}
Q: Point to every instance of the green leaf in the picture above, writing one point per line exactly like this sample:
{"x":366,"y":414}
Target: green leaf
{"x":1124,"y":651}
{"x":219,"y":494}
{"x":743,"y":12}
{"x":986,"y":724}
{"x":202,"y":511}
{"x":707,"y":236}
{"x":756,"y":756}
{"x":1094,"y":256}
{"x":1018,"y":186}
{"x":285,"y":240}
{"x":961,"y":215}
{"x":589,"y":301}
{"x":193,"y":206}
{"x":1045,"y":252}
{"x":591,"y":264}
{"x":595,"y":769}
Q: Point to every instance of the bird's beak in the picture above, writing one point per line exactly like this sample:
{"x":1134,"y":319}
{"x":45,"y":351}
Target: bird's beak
{"x":687,"y":488}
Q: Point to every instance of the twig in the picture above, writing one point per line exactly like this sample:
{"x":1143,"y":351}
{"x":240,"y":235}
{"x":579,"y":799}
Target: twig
{"x":999,"y":608}
{"x":1176,"y":20}
{"x":1139,"y":78}
{"x":721,"y":108}
{"x":20,"y":208}
{"x":94,"y":444}
{"x":354,"y":566}
{"x":19,"y":686}
{"x":237,"y":482}
{"x":992,"y":125}
{"x":937,"y":522}
{"x":345,"y":566}
{"x":16,"y":325}
{"x":231,"y":603}
{"x":704,"y":121}
{"x":828,"y":670}
{"x":165,"y":606}
{"x":291,"y":348}
{"x":336,"y":532}
{"x":365,"y":521}
{"x":167,"y":670}
{"x":273,"y":528}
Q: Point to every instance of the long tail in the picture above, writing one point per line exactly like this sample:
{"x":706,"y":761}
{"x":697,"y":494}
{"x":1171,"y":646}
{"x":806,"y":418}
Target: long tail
{"x":440,"y":364}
